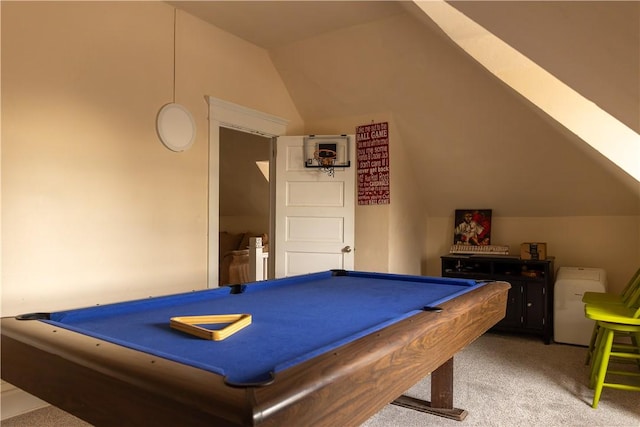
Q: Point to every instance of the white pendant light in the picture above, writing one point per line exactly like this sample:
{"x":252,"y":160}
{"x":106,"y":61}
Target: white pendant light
{"x":174,"y":123}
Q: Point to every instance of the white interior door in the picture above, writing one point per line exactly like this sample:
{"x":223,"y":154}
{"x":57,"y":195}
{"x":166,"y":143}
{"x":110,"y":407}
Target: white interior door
{"x":314,"y":213}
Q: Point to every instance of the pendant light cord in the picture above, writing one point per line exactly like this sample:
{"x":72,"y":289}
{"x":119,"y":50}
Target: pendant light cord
{"x":174,"y":54}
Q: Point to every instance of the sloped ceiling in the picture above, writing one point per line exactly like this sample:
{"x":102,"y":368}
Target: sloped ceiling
{"x":473,"y":140}
{"x":273,"y":24}
{"x":567,"y":38}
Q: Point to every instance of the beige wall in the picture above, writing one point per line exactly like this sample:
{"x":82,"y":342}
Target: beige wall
{"x":600,"y":241}
{"x":448,"y":109}
{"x":93,"y":204}
{"x":95,"y":209}
{"x":389,"y":238}
{"x":403,"y":238}
{"x":407,"y":210}
{"x":244,"y":191}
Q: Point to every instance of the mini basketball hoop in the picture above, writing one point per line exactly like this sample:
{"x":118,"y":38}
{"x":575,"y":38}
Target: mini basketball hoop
{"x":326,"y":160}
{"x":326,"y":153}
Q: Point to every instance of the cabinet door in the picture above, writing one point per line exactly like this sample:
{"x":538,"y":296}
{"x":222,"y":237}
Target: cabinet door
{"x":534,"y":306}
{"x":513,"y":317}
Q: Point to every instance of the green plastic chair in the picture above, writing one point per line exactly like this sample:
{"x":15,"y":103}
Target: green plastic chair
{"x":628,"y":313}
{"x":617,"y":313}
{"x":599,"y":300}
{"x":613,"y":320}
{"x":611,"y":298}
{"x":602,"y":372}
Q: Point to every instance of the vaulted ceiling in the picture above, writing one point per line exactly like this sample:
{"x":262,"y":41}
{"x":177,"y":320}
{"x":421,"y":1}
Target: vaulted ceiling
{"x":472,"y":138}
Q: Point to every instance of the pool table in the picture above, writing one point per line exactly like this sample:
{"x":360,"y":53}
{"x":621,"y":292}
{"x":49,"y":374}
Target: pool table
{"x":329,"y":348}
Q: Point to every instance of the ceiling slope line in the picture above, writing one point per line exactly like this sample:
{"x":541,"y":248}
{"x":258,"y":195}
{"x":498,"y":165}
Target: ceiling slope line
{"x":606,"y":134}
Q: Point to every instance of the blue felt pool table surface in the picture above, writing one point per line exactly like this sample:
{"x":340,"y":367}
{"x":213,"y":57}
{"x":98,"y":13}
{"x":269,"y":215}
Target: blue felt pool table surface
{"x":293,"y":319}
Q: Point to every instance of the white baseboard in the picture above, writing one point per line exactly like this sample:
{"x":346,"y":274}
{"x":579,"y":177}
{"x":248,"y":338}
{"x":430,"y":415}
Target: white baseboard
{"x":14,"y":401}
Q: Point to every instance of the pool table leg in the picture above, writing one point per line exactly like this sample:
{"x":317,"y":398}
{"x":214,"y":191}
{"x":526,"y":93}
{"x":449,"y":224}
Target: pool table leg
{"x":441,"y":395}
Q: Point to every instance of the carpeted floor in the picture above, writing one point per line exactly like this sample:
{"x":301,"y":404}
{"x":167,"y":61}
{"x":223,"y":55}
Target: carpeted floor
{"x":501,"y":380}
{"x":507,"y":380}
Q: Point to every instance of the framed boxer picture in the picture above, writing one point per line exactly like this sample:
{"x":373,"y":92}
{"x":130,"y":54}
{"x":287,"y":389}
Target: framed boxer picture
{"x":472,"y":227}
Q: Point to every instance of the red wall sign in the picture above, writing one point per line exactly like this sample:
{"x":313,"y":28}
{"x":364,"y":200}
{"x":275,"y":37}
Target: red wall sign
{"x":372,"y":143}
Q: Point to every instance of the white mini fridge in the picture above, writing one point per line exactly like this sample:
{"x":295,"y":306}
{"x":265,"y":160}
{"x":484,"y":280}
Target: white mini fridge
{"x":570,"y":325}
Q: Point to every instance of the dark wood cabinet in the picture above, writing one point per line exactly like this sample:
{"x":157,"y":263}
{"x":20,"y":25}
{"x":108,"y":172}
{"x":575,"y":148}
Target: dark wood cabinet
{"x":530,"y":300}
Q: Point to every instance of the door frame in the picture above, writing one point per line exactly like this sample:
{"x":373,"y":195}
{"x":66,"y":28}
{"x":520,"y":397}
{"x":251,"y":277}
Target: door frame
{"x":233,"y":116}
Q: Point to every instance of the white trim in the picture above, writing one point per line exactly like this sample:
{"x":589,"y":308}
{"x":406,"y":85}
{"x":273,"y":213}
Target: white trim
{"x":246,"y":119}
{"x":227,"y":114}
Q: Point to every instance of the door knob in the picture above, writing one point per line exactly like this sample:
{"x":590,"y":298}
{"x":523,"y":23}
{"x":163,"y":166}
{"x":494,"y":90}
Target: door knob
{"x":346,"y":249}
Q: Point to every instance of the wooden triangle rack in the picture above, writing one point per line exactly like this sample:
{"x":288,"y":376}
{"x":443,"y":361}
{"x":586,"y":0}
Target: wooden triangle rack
{"x":189,"y":325}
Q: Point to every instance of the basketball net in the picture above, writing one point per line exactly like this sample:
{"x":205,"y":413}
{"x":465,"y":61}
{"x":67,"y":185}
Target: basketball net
{"x":326,"y":159}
